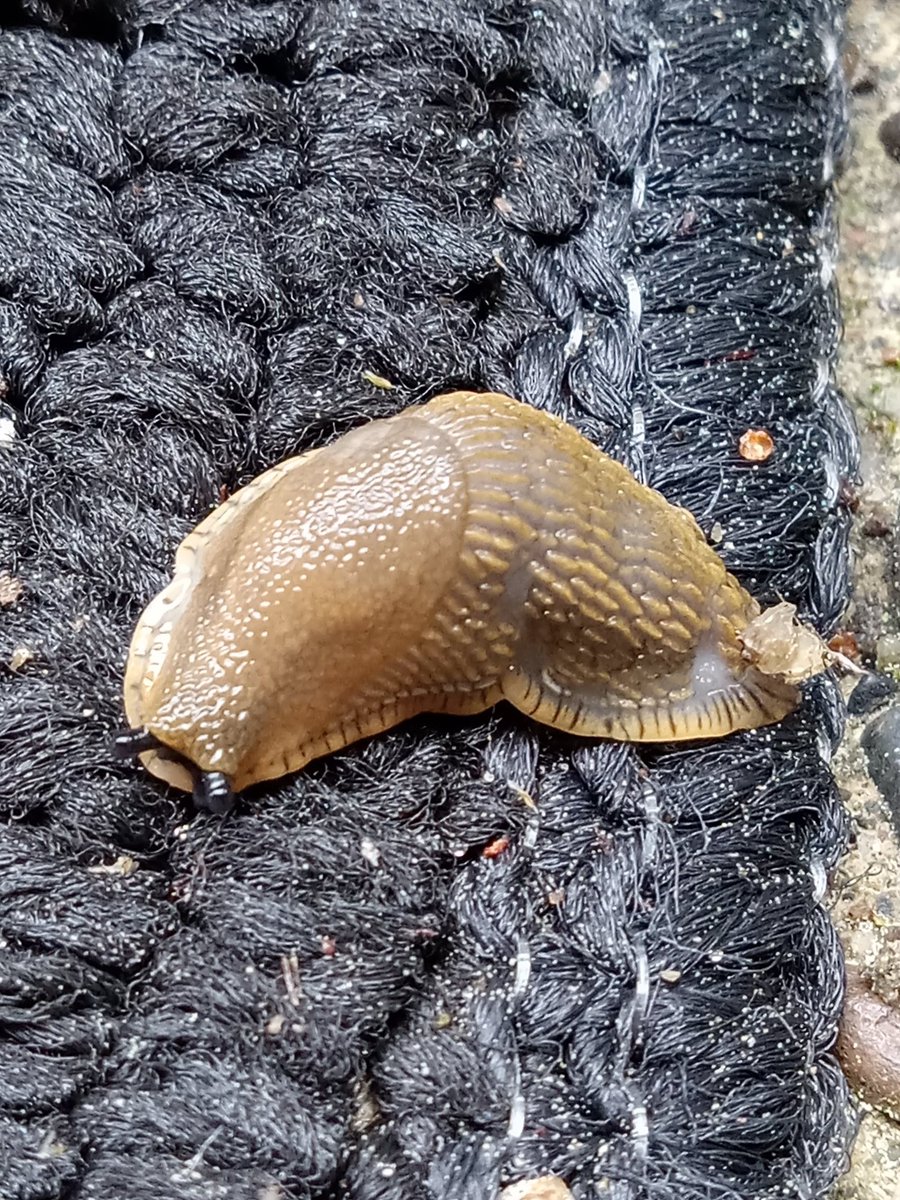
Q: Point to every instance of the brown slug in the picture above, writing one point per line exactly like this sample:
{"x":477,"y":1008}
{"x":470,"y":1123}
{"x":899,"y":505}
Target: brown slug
{"x":469,"y":550}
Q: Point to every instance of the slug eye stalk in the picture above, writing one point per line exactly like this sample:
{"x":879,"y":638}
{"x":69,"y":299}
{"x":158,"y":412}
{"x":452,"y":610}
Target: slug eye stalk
{"x":212,"y":792}
{"x":132,"y":742}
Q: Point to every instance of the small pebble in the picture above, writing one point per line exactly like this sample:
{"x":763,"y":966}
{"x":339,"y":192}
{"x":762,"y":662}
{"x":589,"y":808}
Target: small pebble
{"x":848,"y":495}
{"x":869,"y":1045}
{"x":876,"y":526}
{"x":844,"y":642}
{"x":861,"y":75}
{"x":881,"y":742}
{"x":11,"y":589}
{"x":869,"y":693}
{"x":889,"y":133}
{"x":19,"y":657}
{"x":756,"y":445}
{"x":887,"y":651}
{"x":883,"y":907}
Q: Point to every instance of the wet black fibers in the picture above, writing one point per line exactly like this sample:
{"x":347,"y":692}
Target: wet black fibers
{"x":222,"y":225}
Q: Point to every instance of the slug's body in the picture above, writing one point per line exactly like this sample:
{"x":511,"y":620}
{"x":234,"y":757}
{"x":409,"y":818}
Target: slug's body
{"x":466,"y":551}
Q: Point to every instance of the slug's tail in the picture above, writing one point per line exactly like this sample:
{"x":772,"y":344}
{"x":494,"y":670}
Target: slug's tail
{"x":711,"y":699}
{"x":749,"y":703}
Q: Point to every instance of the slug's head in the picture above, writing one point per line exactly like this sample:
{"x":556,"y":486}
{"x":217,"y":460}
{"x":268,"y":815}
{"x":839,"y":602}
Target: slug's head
{"x":198,"y":686}
{"x":296,"y":611}
{"x":211,"y":789}
{"x":167,"y":758}
{"x":164,"y":732}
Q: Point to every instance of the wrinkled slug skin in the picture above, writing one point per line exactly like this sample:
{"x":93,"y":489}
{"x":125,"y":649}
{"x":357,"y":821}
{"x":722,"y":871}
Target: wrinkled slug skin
{"x":465,"y":551}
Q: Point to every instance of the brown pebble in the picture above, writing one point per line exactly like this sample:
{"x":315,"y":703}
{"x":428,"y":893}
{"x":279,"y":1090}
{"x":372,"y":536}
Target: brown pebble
{"x":545,"y":1187}
{"x":756,"y":445}
{"x":859,"y":910}
{"x":876,"y":526}
{"x":889,"y":135}
{"x":868,"y":1045}
{"x":861,"y":75}
{"x":844,"y":642}
{"x":11,"y":589}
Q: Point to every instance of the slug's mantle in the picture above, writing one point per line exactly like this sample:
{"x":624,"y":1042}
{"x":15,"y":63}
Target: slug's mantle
{"x":464,"y":552}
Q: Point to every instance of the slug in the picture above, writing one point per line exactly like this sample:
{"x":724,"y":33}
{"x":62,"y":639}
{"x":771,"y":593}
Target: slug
{"x":466,"y":551}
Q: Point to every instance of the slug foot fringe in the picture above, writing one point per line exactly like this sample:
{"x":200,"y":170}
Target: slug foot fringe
{"x":468,"y":952}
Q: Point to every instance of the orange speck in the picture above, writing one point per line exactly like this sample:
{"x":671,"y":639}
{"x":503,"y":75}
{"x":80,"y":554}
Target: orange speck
{"x":844,"y":642}
{"x":495,"y":848}
{"x":756,"y":445}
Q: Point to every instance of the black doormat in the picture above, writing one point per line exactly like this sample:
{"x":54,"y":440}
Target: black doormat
{"x":464,"y":953}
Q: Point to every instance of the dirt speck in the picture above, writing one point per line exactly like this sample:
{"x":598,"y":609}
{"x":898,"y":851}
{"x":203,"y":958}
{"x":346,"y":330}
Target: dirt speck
{"x":11,"y":589}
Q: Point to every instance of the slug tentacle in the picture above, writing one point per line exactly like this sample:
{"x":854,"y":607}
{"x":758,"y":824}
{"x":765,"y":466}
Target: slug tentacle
{"x":132,"y":742}
{"x":466,"y":551}
{"x":212,"y":792}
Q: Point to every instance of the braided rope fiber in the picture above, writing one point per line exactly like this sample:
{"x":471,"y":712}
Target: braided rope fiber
{"x":466,"y":952}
